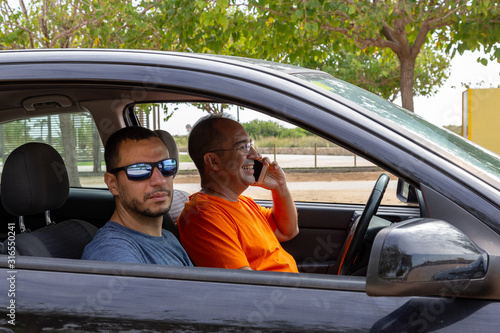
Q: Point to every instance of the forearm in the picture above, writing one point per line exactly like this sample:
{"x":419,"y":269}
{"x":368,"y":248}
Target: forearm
{"x":285,"y":214}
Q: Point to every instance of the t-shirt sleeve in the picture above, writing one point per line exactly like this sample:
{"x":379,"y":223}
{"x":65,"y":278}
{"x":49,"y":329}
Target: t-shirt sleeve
{"x":120,"y":251}
{"x":268,"y":213}
{"x":211,"y":244}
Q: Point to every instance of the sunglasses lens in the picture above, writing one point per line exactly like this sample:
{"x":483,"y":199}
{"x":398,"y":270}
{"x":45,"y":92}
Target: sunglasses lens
{"x":168,"y":167}
{"x":139,"y":171}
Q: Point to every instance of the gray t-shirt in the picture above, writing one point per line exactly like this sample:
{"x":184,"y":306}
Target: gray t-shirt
{"x":114,"y":242}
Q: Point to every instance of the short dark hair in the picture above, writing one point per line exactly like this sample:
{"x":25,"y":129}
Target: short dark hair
{"x":205,"y":137}
{"x":112,"y":147}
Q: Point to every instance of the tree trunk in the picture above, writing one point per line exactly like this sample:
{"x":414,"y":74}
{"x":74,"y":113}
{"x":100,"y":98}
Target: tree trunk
{"x":96,"y":149}
{"x":69,"y":149}
{"x":407,"y":67}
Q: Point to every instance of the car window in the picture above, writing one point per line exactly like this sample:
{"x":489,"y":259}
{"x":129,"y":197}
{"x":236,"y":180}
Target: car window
{"x":477,"y":160}
{"x":317,"y":170}
{"x":73,"y":135}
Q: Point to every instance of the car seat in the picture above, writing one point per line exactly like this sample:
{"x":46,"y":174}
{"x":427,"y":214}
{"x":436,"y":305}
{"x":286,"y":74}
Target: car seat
{"x":179,"y":197}
{"x":34,"y":181}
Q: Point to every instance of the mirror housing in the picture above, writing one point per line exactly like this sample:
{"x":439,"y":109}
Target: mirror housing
{"x":406,"y":192}
{"x":424,"y":257}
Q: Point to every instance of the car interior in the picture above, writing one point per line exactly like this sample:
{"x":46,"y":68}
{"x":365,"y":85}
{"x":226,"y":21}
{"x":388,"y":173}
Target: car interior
{"x":56,"y":219}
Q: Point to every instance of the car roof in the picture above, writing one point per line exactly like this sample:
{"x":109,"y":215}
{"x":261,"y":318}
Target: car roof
{"x":53,"y":79}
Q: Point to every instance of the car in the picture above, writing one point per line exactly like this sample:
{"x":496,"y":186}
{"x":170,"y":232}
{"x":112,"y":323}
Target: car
{"x":430,"y":263}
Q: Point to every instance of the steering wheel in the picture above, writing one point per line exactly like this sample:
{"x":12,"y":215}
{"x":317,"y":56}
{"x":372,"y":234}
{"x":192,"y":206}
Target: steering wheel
{"x":358,"y":230}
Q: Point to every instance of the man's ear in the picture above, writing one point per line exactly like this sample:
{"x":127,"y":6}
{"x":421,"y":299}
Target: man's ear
{"x":111,"y":182}
{"x":212,"y":161}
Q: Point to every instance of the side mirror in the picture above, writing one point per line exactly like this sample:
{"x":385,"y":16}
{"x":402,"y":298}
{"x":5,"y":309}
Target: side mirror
{"x":424,"y":257}
{"x":406,"y":192}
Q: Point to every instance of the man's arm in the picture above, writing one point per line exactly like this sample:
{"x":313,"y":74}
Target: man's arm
{"x":285,"y":215}
{"x":284,"y":210}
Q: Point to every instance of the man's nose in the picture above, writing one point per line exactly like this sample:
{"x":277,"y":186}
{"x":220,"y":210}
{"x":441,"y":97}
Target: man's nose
{"x":157,"y":177}
{"x":253,"y":154}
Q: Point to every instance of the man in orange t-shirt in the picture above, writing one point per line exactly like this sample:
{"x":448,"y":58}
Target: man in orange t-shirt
{"x":219,"y":227}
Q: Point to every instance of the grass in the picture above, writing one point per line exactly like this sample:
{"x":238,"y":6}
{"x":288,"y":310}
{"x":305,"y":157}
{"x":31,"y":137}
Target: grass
{"x":181,"y":140}
{"x":304,"y":141}
{"x":184,"y":158}
{"x":455,"y":129}
{"x":91,"y":163}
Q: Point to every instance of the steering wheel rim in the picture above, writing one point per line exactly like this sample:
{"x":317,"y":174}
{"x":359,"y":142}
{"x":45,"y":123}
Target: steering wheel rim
{"x":358,"y":230}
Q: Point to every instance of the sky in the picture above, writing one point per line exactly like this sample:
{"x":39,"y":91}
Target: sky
{"x":443,"y":108}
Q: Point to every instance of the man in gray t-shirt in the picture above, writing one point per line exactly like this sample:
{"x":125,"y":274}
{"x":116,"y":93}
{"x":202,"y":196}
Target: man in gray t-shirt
{"x":114,"y":242}
{"x":140,"y":177}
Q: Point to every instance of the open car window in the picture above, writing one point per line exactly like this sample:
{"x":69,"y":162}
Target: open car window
{"x":317,"y":170}
{"x":73,"y":135}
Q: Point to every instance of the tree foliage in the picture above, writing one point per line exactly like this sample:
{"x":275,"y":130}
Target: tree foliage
{"x":75,"y":23}
{"x":266,"y":128}
{"x":481,"y":30}
{"x":325,"y":31}
{"x":388,"y":47}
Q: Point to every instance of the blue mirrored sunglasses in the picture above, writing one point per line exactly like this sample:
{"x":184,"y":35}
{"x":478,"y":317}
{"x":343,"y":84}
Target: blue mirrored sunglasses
{"x":144,"y":170}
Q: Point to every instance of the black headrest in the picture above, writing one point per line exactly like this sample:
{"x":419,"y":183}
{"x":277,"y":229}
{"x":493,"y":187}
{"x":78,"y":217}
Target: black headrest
{"x":34,"y":180}
{"x":170,"y":143}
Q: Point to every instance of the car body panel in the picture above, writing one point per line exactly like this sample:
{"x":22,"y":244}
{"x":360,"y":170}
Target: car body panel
{"x":325,"y":305}
{"x":59,"y":293}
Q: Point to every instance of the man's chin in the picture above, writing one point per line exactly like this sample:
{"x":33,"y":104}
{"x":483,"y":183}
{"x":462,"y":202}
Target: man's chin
{"x":160,"y":211}
{"x":248,"y":180}
{"x":149,"y":213}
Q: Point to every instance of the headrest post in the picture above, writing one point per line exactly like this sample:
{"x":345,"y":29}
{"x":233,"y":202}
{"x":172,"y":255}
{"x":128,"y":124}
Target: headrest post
{"x":22,"y":226}
{"x":47,"y":218}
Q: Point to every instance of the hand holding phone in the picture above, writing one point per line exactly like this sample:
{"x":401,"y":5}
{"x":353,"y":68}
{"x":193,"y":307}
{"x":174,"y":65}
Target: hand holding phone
{"x":259,"y":171}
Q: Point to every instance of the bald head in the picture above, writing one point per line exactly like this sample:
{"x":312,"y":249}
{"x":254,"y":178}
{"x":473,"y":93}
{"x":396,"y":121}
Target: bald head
{"x":208,"y":133}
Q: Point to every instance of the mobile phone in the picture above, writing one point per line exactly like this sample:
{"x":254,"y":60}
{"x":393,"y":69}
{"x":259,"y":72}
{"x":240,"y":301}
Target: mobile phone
{"x":259,"y":171}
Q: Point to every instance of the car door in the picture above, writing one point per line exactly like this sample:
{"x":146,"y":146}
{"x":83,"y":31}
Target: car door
{"x":54,"y":294}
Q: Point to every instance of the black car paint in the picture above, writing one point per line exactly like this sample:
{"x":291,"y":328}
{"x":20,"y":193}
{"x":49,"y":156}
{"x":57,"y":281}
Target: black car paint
{"x":200,"y":297}
{"x":56,"y":293}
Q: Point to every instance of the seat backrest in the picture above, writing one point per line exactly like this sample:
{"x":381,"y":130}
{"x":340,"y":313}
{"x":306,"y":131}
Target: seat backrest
{"x":179,"y":197}
{"x":66,"y":239}
{"x":170,"y":143}
{"x":169,"y":219}
{"x":178,"y":201}
{"x":35,"y":180}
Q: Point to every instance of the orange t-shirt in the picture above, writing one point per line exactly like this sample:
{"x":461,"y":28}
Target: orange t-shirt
{"x":220,"y":233}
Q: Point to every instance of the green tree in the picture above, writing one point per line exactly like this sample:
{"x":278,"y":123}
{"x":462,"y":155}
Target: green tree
{"x":262,"y":128}
{"x":378,"y":70}
{"x":75,"y":23}
{"x":46,"y":24}
{"x":416,"y":32}
{"x":14,"y":134}
{"x":479,"y":31}
{"x":389,"y":47}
